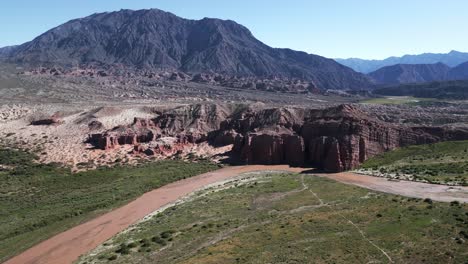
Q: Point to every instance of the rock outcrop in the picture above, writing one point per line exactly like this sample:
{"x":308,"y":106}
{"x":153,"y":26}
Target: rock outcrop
{"x":333,"y":139}
{"x":53,"y":120}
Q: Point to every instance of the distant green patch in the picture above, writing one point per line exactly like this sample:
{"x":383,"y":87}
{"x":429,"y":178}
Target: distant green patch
{"x":292,"y":218}
{"x":445,"y":162}
{"x":397,"y":100}
{"x":38,"y":201}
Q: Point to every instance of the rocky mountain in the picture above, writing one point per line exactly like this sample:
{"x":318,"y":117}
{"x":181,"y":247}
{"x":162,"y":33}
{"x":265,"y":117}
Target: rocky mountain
{"x":459,"y":72}
{"x":5,"y":51}
{"x":410,"y":73}
{"x":334,"y":139}
{"x":156,"y":39}
{"x":451,"y":59}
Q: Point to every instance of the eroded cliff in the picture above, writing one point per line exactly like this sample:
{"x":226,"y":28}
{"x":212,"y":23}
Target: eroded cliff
{"x":333,"y":139}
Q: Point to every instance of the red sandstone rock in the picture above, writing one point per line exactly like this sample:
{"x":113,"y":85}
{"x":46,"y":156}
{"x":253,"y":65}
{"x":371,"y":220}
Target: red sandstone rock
{"x":334,"y":139}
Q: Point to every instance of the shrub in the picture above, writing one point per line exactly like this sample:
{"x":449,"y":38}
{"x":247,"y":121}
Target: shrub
{"x":167,"y":234}
{"x":464,"y":234}
{"x":131,"y":245}
{"x":158,"y":240}
{"x":428,"y":200}
{"x":123,"y":249}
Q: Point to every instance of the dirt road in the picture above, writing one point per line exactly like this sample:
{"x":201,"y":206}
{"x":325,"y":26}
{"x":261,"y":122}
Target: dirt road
{"x":66,"y":247}
{"x":435,"y":192}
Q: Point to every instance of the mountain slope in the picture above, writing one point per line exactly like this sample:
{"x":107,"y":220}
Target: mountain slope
{"x":459,"y":72}
{"x":5,"y":51}
{"x":410,"y":73}
{"x":160,"y":40}
{"x":451,"y":59}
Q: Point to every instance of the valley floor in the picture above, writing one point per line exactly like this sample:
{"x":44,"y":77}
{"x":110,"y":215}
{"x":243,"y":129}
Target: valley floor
{"x":270,"y":217}
{"x":68,"y":246}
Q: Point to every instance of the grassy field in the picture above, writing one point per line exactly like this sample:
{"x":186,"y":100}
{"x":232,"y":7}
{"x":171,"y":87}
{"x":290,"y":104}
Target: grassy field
{"x":293,"y":218}
{"x":445,"y":162}
{"x":38,"y":201}
{"x":397,"y":100}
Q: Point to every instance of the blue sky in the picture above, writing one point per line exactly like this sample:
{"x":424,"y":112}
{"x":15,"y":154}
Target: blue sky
{"x":333,"y":28}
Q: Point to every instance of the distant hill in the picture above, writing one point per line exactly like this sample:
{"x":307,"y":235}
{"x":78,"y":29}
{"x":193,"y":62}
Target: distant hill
{"x":410,"y":73}
{"x":451,"y":59}
{"x":442,"y":90}
{"x":156,"y":39}
{"x":5,"y":51}
{"x":459,"y":73}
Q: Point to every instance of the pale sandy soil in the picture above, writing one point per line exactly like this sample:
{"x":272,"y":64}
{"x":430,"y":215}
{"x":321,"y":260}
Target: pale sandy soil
{"x":442,"y":193}
{"x":65,"y":142}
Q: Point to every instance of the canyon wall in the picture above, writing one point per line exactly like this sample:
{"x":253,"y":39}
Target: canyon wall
{"x":333,"y":139}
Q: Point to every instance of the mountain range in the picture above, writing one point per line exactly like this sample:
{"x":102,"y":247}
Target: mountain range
{"x":451,"y":59}
{"x":419,"y":73}
{"x":155,"y":39}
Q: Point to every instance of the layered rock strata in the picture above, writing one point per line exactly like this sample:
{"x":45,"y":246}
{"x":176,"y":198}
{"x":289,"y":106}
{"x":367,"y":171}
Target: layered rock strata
{"x":333,"y":139}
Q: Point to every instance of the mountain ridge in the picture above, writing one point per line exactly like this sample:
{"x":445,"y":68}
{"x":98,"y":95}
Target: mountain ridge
{"x":156,"y":39}
{"x":410,"y":73}
{"x":452,"y":59}
{"x":419,"y":73}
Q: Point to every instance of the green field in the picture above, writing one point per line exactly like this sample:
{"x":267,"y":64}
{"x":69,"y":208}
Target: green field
{"x":445,"y":162}
{"x":397,"y":100}
{"x":293,"y":218}
{"x":38,"y":201}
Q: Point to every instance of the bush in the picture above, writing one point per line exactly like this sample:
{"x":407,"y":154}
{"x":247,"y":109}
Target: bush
{"x":123,"y":249}
{"x":428,"y":200}
{"x":131,"y":245}
{"x":463,"y":234}
{"x":158,"y":240}
{"x":166,"y":234}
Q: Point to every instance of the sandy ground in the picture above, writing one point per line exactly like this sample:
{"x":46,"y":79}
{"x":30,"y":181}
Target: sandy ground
{"x":66,"y":247}
{"x":63,"y":143}
{"x":442,"y":193}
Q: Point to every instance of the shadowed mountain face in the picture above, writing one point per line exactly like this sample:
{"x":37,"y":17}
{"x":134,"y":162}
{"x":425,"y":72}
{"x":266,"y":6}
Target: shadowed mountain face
{"x":410,"y":73}
{"x":460,"y":72}
{"x":451,"y":59}
{"x":5,"y":51}
{"x":159,"y":40}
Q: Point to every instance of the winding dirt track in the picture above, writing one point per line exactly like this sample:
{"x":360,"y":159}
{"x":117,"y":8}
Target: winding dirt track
{"x":66,"y":247}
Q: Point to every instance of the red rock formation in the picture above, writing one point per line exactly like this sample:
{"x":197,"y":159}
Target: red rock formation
{"x":271,"y":149}
{"x":334,"y":139}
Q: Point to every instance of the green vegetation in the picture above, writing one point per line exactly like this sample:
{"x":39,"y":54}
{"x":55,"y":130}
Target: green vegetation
{"x":292,"y":218}
{"x":397,"y":100}
{"x":445,"y":162}
{"x":38,"y":201}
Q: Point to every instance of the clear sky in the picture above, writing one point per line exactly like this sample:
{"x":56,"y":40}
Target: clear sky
{"x":333,"y":28}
